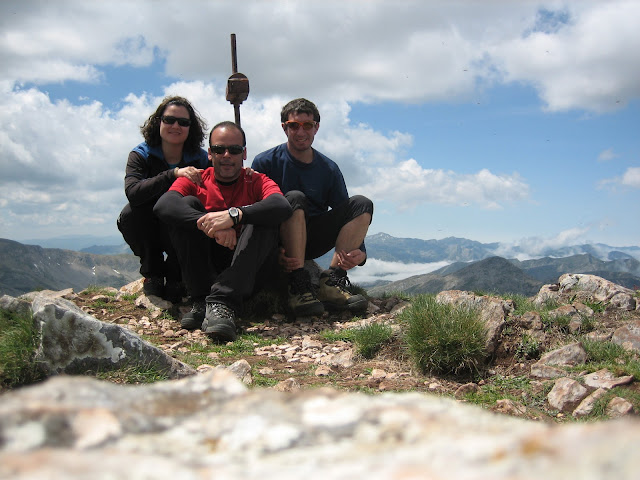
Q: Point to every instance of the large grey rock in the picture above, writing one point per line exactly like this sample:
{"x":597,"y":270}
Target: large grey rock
{"x":74,"y":342}
{"x":590,"y":288}
{"x":211,"y":426}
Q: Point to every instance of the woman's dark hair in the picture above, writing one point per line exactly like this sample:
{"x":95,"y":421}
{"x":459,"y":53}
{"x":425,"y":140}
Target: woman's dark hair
{"x":151,"y":127}
{"x":300,"y":105}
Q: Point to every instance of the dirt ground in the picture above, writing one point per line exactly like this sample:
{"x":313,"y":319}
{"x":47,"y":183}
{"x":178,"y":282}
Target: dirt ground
{"x":289,"y":351}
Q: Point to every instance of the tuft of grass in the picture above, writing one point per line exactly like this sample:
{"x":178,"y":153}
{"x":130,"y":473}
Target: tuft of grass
{"x":396,"y":293}
{"x":346,"y":335}
{"x":444,"y":338}
{"x":134,"y":374}
{"x":597,"y":307}
{"x":599,"y":411}
{"x":522,"y":304}
{"x":517,"y":388}
{"x":367,"y":340}
{"x":611,"y":356}
{"x":528,"y":348}
{"x":370,"y":338}
{"x":18,"y":344}
{"x":559,"y":323}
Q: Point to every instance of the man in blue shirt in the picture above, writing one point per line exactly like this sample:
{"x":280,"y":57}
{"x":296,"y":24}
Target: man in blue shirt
{"x":324,"y":216}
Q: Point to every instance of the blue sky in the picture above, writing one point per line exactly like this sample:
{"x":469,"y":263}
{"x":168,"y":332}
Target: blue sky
{"x":501,"y":121}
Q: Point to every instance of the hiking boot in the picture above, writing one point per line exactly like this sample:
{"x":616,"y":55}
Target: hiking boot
{"x":302,"y":296}
{"x":219,"y":322}
{"x":194,"y":318}
{"x":153,"y":286}
{"x":334,"y":292}
{"x":174,"y":290}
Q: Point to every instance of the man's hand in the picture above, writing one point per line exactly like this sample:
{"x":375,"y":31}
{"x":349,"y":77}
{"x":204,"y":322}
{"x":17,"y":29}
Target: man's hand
{"x":212,"y":222}
{"x":226,"y":238}
{"x":348,"y":260}
{"x":288,"y":264}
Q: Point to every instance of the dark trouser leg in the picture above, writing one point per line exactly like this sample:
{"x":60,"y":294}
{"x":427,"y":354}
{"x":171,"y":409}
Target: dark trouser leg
{"x":199,"y":256}
{"x":254,"y":263}
{"x":144,"y":234}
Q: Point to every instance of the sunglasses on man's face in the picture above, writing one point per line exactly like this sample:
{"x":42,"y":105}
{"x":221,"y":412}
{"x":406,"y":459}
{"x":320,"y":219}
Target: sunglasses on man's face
{"x":170,"y":120}
{"x":292,"y":125}
{"x":233,"y":149}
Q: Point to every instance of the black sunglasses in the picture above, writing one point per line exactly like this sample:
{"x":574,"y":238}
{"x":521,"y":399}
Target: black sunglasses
{"x":170,"y":120}
{"x":220,"y":149}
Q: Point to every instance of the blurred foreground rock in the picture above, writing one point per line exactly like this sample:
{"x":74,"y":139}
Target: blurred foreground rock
{"x":210,"y":426}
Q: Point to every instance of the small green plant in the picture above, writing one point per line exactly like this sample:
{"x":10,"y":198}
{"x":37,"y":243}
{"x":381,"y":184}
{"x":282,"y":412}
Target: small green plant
{"x":103,"y":305}
{"x":130,"y":297}
{"x":597,"y":307}
{"x":528,"y":348}
{"x":444,"y":338}
{"x":559,"y":323}
{"x":18,"y":343}
{"x":370,"y":338}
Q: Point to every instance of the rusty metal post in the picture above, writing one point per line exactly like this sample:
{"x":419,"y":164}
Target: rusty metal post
{"x":238,"y":84}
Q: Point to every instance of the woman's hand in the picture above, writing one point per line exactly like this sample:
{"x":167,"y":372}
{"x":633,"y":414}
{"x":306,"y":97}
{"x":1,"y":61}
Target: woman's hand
{"x":192,"y":173}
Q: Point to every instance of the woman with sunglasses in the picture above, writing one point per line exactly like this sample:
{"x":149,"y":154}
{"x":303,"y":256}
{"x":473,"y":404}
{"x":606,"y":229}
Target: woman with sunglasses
{"x":173,"y":137}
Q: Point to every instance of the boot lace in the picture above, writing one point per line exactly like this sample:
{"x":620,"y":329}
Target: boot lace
{"x":220,"y":310}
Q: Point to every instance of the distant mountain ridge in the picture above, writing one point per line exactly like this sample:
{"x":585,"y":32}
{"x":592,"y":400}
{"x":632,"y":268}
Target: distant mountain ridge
{"x":491,"y":275}
{"x":501,"y":276}
{"x":24,"y":268}
{"x":414,"y":250}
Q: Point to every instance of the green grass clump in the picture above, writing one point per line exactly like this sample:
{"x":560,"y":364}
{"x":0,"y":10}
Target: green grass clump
{"x":444,"y":338}
{"x":18,"y":343}
{"x":611,"y":356}
{"x":367,"y":340}
{"x":370,"y":338}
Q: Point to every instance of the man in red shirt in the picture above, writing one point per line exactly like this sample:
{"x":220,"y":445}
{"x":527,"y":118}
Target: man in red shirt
{"x":224,"y":231}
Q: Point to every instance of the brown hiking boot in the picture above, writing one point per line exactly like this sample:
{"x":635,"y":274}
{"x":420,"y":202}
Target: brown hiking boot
{"x":302,"y":296}
{"x":335,"y":295}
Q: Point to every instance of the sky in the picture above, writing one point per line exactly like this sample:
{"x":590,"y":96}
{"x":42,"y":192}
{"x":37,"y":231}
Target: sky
{"x":496,"y":121}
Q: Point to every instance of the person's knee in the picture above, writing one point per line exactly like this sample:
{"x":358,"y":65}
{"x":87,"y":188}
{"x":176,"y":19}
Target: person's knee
{"x":360,"y":208}
{"x":362,"y":204}
{"x":297,"y":200}
{"x":194,"y":203}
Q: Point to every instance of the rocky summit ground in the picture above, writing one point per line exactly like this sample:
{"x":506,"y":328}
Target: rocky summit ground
{"x":288,"y":353}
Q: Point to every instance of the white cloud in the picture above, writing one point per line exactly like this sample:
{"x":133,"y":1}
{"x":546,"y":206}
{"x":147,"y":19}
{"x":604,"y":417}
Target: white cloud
{"x":588,"y":63}
{"x":533,"y":247}
{"x":630,"y":178}
{"x":376,"y":269}
{"x":409,"y":185}
{"x":607,"y":155}
{"x":337,"y":50}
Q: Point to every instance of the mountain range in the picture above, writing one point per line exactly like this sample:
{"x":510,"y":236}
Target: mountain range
{"x":473,"y":265}
{"x":25,"y":268}
{"x":501,"y":276}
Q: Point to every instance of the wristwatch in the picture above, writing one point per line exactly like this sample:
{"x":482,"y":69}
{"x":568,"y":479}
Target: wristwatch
{"x":234,"y":213}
